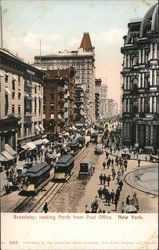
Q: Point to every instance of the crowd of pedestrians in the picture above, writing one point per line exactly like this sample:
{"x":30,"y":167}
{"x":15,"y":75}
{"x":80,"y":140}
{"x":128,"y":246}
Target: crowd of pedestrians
{"x":114,"y":169}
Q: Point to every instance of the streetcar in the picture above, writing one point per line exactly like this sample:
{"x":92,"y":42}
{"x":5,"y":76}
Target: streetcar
{"x":74,"y":146}
{"x":81,"y":140}
{"x":35,"y":177}
{"x":94,"y":137}
{"x":63,"y":167}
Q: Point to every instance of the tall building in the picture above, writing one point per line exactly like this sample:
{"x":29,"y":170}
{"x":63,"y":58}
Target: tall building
{"x":98,"y":83}
{"x":141,"y":82}
{"x":112,"y":108}
{"x":103,"y":101}
{"x":21,"y":102}
{"x":59,"y":101}
{"x":83,"y":60}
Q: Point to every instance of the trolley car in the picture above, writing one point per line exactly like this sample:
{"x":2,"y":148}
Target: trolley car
{"x":35,"y":177}
{"x":94,"y":137}
{"x":81,"y":141}
{"x":63,"y":167}
{"x":74,"y":146}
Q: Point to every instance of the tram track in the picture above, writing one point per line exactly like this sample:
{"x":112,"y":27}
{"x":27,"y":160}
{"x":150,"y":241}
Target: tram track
{"x":34,"y":203}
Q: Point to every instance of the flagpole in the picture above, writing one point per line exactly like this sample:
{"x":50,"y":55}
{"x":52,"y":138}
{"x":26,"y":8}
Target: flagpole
{"x":1,"y":25}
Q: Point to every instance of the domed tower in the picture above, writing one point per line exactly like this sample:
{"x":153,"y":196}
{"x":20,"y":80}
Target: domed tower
{"x":140,"y":86}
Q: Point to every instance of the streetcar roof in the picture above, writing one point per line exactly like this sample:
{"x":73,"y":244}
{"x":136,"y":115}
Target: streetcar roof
{"x":65,"y":161}
{"x":38,"y":169}
{"x":80,"y":138}
{"x":72,"y":143}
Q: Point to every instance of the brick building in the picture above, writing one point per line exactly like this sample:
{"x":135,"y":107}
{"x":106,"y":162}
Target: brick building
{"x":59,"y":101}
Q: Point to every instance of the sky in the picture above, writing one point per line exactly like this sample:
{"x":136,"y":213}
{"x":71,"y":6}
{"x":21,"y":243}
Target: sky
{"x":60,"y":25}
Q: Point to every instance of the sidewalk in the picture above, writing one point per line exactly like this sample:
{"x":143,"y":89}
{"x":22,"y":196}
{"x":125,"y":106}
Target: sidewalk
{"x":142,"y":157}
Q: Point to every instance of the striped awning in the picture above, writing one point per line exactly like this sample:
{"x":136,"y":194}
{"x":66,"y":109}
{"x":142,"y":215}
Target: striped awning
{"x":7,"y":155}
{"x":10,"y":150}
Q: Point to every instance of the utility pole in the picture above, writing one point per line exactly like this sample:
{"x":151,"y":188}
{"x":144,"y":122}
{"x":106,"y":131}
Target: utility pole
{"x":1,"y":25}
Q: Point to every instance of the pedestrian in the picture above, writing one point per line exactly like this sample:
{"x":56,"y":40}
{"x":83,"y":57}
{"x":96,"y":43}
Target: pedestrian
{"x":108,"y":179}
{"x":128,"y":200}
{"x":116,"y":203}
{"x":120,"y":185}
{"x":104,"y":179}
{"x":107,"y":154}
{"x":108,"y":198}
{"x":113,"y":174}
{"x":86,"y":209}
{"x":101,"y":178}
{"x":122,"y":208}
{"x":104,"y":191}
{"x":104,"y":164}
{"x":112,"y":195}
{"x":100,"y":192}
{"x":45,"y":208}
{"x":138,"y":162}
{"x":112,"y":162}
{"x":122,"y":170}
{"x":94,"y":206}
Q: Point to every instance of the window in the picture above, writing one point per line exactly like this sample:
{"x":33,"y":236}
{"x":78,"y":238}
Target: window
{"x":35,"y":105}
{"x":6,"y":77}
{"x":13,"y":84}
{"x":6,"y":104}
{"x":13,"y":109}
{"x":142,"y":55}
{"x":52,"y":96}
{"x":39,"y":106}
{"x":153,"y":77}
{"x":13,"y":94}
{"x":19,"y":95}
{"x":153,"y":51}
{"x":52,"y":106}
{"x":19,"y":110}
{"x":35,"y":90}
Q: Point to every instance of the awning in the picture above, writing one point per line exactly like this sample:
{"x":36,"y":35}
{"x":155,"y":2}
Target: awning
{"x":2,"y":158}
{"x":37,"y":128}
{"x":36,"y":96}
{"x":10,"y":150}
{"x":7,"y":91}
{"x":40,"y":96}
{"x":7,"y":155}
{"x":41,"y":127}
{"x":45,"y":141}
{"x":52,"y":116}
{"x":31,"y":145}
{"x":25,"y":147}
{"x":38,"y":142}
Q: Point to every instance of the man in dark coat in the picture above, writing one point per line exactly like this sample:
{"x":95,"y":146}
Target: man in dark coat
{"x":128,"y":200}
{"x":101,"y":179}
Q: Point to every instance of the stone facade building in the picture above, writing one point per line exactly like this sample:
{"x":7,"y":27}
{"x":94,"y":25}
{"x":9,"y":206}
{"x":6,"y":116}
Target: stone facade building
{"x":83,"y":60}
{"x":141,"y":82}
{"x":21,"y":101}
